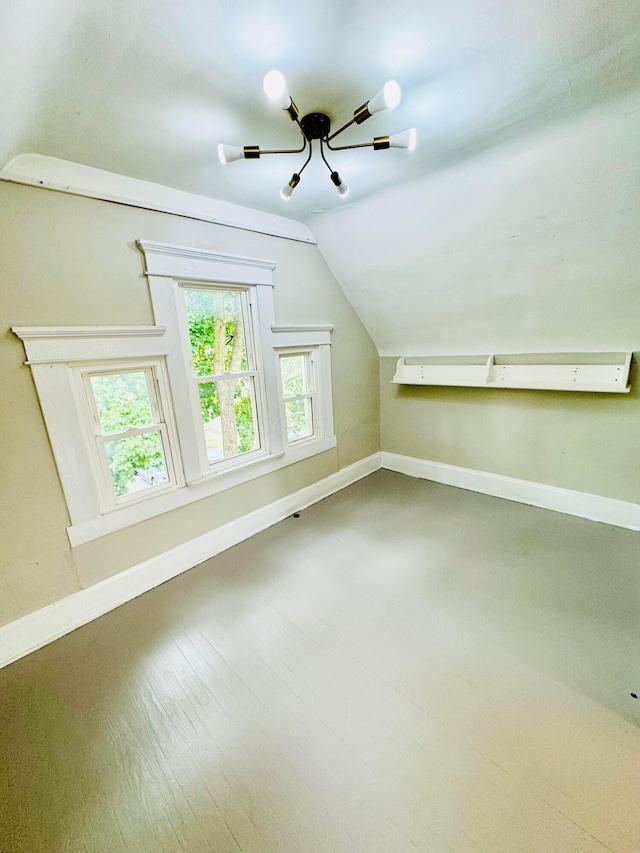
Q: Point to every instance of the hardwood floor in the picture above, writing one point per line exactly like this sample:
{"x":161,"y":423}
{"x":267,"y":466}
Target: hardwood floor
{"x":404,"y":667}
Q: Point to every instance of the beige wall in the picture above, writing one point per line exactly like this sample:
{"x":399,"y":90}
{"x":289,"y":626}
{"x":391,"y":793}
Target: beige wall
{"x":586,"y":442}
{"x":527,"y":246}
{"x":530,"y":245}
{"x":66,"y":260}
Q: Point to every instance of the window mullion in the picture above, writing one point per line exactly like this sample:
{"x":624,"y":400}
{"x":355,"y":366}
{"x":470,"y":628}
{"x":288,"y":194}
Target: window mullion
{"x":221,"y":377}
{"x":129,"y":432}
{"x":291,"y":399}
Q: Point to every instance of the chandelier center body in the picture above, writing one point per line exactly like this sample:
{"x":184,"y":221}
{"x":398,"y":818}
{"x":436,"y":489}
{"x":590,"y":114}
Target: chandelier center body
{"x":315,"y":125}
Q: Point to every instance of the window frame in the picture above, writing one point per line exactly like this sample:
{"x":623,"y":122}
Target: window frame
{"x":168,"y":268}
{"x":160,"y":402}
{"x":254,"y":358}
{"x":309,"y":354}
{"x":54,"y":355}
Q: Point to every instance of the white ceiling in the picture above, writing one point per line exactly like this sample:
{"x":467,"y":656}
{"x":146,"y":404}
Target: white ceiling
{"x":147,"y":89}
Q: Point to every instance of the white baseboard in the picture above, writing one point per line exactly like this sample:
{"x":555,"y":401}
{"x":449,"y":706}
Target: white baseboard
{"x":35,"y":630}
{"x":592,"y":507}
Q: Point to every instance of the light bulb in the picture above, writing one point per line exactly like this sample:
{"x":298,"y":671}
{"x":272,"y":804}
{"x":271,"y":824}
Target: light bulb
{"x":405,"y":139}
{"x":392,"y":94}
{"x":341,"y":186}
{"x":229,"y":153}
{"x":287,"y":190}
{"x":387,"y":98}
{"x":275,"y":87}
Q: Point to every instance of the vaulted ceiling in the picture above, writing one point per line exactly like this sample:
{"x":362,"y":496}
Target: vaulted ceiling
{"x":496,"y":88}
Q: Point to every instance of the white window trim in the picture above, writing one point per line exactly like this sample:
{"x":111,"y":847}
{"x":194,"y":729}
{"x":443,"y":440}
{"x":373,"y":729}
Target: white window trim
{"x":311,"y":394}
{"x":54,"y":353}
{"x":314,"y":339}
{"x":160,"y":400}
{"x":169,"y":268}
{"x":185,"y":364}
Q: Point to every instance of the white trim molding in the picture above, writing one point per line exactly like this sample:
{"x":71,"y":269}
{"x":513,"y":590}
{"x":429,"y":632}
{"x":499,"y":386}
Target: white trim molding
{"x":52,"y":344}
{"x":293,"y":336}
{"x":51,"y":173}
{"x":313,"y":327}
{"x":167,"y":259}
{"x":57,"y":356}
{"x":29,"y":333}
{"x":37,"y":629}
{"x":582,"y":504}
{"x":93,"y":528}
{"x":31,"y":632}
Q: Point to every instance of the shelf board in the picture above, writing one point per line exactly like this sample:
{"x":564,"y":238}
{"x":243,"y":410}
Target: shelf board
{"x":603,"y":372}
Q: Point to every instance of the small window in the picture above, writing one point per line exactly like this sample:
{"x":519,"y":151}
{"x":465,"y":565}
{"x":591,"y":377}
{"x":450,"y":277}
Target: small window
{"x":130,"y":436}
{"x":296,"y":371}
{"x":224,"y":370}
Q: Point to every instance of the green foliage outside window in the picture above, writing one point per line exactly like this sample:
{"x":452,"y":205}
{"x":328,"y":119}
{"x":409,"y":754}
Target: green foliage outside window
{"x":218,"y":346}
{"x":122,"y":401}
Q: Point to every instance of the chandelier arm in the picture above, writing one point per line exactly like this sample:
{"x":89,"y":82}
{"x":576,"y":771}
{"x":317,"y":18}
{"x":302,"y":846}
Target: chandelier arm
{"x":344,"y":127}
{"x":324,"y":158}
{"x":342,"y":186}
{"x":345,"y":147}
{"x":287,"y":150}
{"x":304,"y":165}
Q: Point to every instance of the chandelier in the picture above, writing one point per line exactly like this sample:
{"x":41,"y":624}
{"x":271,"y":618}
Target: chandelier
{"x":317,"y":126}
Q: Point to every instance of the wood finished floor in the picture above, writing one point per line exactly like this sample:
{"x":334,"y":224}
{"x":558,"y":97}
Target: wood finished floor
{"x":404,"y":667}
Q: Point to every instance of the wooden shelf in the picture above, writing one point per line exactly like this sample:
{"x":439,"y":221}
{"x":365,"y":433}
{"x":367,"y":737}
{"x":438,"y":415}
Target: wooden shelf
{"x":606,"y":372}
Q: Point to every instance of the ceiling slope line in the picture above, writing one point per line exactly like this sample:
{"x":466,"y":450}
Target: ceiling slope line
{"x":51,"y":173}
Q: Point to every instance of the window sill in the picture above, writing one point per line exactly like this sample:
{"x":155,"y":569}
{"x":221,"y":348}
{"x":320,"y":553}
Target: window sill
{"x":212,"y":484}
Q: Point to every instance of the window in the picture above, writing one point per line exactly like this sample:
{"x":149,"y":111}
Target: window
{"x":223,"y":356}
{"x":132,"y":448}
{"x":223,"y":369}
{"x":297,"y":375}
{"x":145,"y":419}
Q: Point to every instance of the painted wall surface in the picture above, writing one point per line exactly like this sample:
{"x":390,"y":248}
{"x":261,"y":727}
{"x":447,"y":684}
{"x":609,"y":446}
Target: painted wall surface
{"x":526,"y":247}
{"x":573,"y":440}
{"x":66,"y":260}
{"x":529,"y":247}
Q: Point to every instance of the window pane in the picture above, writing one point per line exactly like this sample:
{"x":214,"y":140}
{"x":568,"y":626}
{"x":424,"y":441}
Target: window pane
{"x":122,"y":400}
{"x":228,"y":414}
{"x":294,"y":375}
{"x":299,"y":419}
{"x":136,"y":463}
{"x":216,"y":331}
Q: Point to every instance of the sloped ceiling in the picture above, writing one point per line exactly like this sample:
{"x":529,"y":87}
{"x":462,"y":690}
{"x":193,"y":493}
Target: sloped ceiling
{"x":503,"y":95}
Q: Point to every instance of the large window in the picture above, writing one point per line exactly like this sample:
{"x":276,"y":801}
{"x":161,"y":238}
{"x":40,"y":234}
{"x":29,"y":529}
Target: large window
{"x":224,"y":369}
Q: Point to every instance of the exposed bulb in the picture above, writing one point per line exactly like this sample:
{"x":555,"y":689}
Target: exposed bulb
{"x":275,"y":87}
{"x":287,"y":190}
{"x":341,"y":186}
{"x":387,"y":98}
{"x":392,"y":94}
{"x":406,"y":139}
{"x":229,"y":153}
